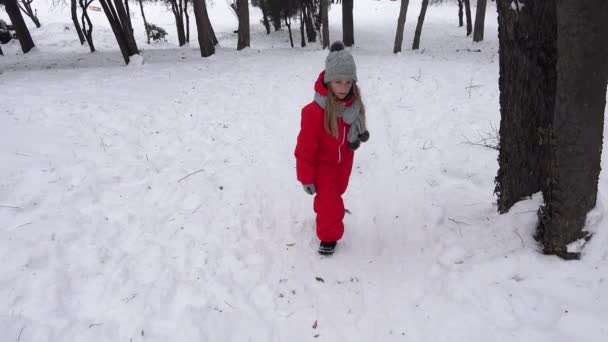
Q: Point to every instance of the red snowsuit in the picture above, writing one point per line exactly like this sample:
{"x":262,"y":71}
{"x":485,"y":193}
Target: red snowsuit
{"x":326,"y":162}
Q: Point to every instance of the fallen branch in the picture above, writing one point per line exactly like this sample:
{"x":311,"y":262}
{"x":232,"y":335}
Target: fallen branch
{"x":193,"y":173}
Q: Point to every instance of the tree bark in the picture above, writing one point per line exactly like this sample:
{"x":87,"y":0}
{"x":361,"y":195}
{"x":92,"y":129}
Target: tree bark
{"x":582,"y":74}
{"x":1,"y":53}
{"x":401,"y":26}
{"x":460,"y":13}
{"x":348,"y":34}
{"x":76,"y":23}
{"x":23,"y":34}
{"x":125,"y":20}
{"x":480,"y":18}
{"x":527,"y":78}
{"x":203,"y":26}
{"x":416,"y":44}
{"x":244,"y":37}
{"x":325,"y":19}
{"x":467,"y":11}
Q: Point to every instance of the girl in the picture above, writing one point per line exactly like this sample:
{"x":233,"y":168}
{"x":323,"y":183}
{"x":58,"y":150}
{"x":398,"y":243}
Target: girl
{"x":332,"y":128}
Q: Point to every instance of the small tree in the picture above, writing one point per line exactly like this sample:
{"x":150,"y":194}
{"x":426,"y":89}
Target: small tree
{"x":87,"y":26}
{"x":74,"y":12}
{"x":26,"y":7}
{"x":400,"y":26}
{"x":416,"y":44}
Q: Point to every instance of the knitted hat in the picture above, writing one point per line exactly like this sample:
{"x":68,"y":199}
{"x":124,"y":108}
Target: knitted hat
{"x":339,"y":64}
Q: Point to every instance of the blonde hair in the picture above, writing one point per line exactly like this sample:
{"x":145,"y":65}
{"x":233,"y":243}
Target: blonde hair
{"x":331,"y":106}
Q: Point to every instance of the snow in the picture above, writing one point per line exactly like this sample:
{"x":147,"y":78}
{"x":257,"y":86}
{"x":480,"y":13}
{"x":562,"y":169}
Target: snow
{"x":159,"y":202}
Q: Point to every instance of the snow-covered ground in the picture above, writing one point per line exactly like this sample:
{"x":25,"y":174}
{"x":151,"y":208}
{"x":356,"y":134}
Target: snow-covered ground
{"x":158,"y":201}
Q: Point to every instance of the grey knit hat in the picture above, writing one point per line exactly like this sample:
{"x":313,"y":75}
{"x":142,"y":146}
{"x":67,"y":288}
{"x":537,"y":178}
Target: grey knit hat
{"x":339,"y":64}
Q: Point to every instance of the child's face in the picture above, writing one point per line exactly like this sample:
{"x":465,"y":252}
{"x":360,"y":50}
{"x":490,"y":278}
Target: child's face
{"x":341,"y":87}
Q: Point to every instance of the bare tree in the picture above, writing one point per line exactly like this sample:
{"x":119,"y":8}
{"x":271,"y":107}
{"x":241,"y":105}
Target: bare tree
{"x":87,"y":26}
{"x":143,"y":15}
{"x":416,"y":44}
{"x":177,"y":8}
{"x":265,"y":21}
{"x":460,"y":13}
{"x":401,"y":25}
{"x":480,"y":17}
{"x":121,"y":26}
{"x":288,"y":24}
{"x":243,"y":11}
{"x":74,"y":12}
{"x":23,"y":34}
{"x":348,"y":34}
{"x":303,"y":38}
{"x":467,"y":10}
{"x":325,"y":19}
{"x":203,"y":26}
{"x":26,"y":7}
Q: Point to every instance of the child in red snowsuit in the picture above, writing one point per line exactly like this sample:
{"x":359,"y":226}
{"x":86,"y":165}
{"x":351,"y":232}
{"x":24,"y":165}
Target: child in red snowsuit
{"x":332,"y":128}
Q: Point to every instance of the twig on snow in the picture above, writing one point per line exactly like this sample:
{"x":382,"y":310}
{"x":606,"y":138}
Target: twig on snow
{"x":193,"y":173}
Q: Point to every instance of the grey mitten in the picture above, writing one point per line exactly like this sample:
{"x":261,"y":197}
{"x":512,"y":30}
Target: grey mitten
{"x":309,"y":188}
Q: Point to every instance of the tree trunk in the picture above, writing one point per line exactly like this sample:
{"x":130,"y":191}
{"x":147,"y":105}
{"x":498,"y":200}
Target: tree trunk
{"x":203,"y":26}
{"x":480,"y":18}
{"x":401,"y":26}
{"x":416,"y":45}
{"x":311,"y":33}
{"x":265,"y":16}
{"x":119,"y":24}
{"x":288,"y":24}
{"x":87,"y":26}
{"x":243,"y":8}
{"x":460,"y":13}
{"x":527,"y":59}
{"x":325,"y":19}
{"x":26,"y":7}
{"x":76,"y":23}
{"x":125,"y":20}
{"x":348,"y":34}
{"x":276,"y":23}
{"x":177,"y":9}
{"x":578,"y":122}
{"x":187,"y":21}
{"x":467,"y":10}
{"x":143,"y":15}
{"x":23,"y":34}
{"x":303,"y":38}
{"x":1,"y":53}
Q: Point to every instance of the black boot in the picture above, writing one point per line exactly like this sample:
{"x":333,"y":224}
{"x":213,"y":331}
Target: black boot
{"x":327,"y":248}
